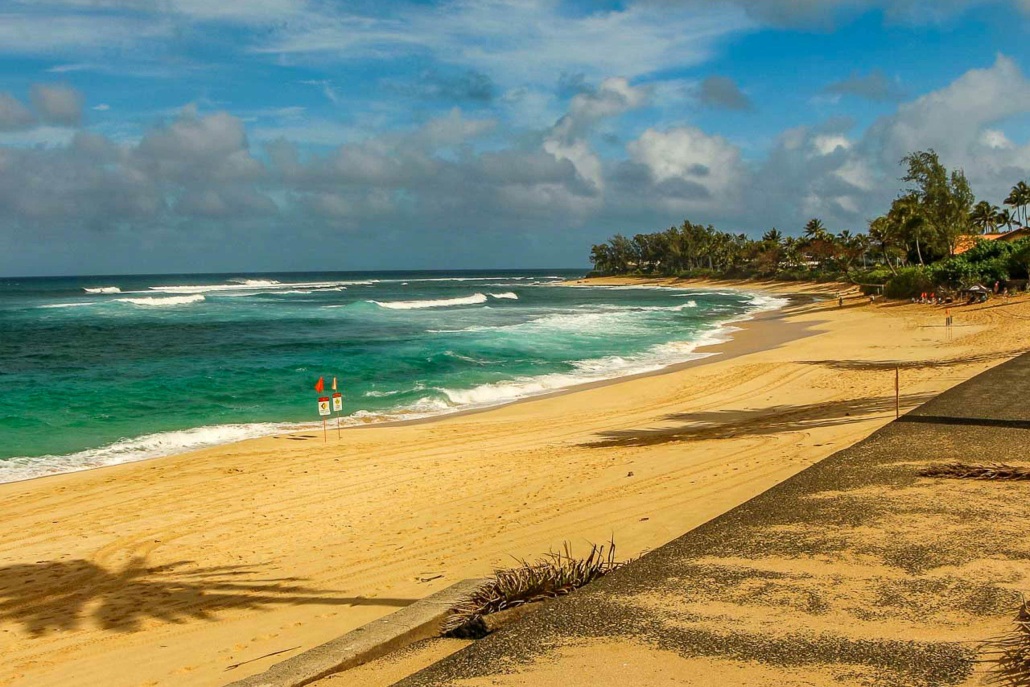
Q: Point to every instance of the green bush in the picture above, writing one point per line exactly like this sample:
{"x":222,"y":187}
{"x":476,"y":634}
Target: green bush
{"x":909,"y":283}
{"x":954,"y":272}
{"x":874,"y":275}
{"x":1019,"y":259}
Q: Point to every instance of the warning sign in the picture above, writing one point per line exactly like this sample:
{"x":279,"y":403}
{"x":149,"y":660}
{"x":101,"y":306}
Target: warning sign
{"x":337,"y":402}
{"x":323,"y":406}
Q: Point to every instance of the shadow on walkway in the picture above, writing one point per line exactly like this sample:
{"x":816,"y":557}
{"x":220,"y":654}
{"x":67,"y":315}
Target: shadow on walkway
{"x":887,"y":365}
{"x":726,"y":424}
{"x":59,"y":595}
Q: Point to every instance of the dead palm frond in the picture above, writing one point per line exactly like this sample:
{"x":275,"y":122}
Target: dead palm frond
{"x":1011,"y":652}
{"x":556,"y":574}
{"x":994,"y":471}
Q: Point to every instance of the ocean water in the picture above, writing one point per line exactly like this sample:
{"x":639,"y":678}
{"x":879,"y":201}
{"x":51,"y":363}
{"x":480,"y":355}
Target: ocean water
{"x":102,"y":370}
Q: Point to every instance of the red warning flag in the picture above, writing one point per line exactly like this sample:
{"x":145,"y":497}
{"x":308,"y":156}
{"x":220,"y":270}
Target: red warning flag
{"x":320,"y":385}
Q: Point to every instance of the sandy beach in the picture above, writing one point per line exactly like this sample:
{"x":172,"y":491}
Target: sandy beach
{"x":194,"y":569}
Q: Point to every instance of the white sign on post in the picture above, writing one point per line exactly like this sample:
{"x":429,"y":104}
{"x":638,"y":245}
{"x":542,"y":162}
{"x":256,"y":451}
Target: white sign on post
{"x":323,"y":406}
{"x":337,"y":403}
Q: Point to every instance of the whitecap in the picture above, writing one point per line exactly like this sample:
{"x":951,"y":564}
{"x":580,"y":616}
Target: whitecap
{"x":66,"y":305}
{"x":139,"y":448}
{"x":163,"y":302}
{"x":259,"y":285}
{"x":474,"y":299}
{"x":102,"y":289}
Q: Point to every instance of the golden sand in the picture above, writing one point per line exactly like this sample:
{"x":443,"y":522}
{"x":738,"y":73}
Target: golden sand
{"x":190,"y":569}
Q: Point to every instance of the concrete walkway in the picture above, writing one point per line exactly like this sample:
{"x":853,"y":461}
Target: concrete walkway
{"x":855,"y":572}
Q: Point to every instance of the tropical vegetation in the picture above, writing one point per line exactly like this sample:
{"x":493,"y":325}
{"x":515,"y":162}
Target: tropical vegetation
{"x":910,"y":249}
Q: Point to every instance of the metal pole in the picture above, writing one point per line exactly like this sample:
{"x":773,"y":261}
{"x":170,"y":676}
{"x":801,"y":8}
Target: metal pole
{"x":897,"y":392}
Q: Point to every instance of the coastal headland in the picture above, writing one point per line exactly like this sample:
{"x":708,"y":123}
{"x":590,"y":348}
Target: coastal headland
{"x":195,"y":568}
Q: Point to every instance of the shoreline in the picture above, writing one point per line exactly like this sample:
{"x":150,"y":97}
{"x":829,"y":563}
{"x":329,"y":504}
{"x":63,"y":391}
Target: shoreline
{"x":226,"y":555}
{"x":739,"y":341}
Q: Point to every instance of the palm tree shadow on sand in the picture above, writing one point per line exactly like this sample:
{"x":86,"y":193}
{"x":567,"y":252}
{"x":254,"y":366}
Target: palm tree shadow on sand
{"x":60,"y":595}
{"x":728,"y":424}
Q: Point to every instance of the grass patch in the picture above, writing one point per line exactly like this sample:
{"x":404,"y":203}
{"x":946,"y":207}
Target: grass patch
{"x":554,"y":575}
{"x":996,"y":471}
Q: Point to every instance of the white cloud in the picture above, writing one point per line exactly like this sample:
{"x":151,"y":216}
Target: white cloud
{"x":827,"y":143}
{"x":14,"y":115}
{"x":522,"y":41}
{"x":567,"y":140}
{"x":47,"y":34}
{"x":993,"y":138}
{"x":952,"y":118}
{"x":690,"y":155}
{"x":56,"y":104}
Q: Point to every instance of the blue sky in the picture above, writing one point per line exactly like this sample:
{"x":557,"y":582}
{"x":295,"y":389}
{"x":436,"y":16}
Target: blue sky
{"x":190,"y":135}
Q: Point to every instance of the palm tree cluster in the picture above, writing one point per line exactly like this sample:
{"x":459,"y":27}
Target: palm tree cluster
{"x":988,"y":218}
{"x":923,"y":226}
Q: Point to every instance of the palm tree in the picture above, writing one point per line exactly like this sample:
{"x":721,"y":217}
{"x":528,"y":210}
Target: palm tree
{"x":883,"y":234}
{"x":984,"y":217}
{"x":1005,"y":219}
{"x":815,"y":229}
{"x":1019,"y":198}
{"x":773,"y":236}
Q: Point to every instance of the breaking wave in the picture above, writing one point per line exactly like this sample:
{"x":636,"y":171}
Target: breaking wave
{"x":163,"y":302}
{"x":474,"y":299}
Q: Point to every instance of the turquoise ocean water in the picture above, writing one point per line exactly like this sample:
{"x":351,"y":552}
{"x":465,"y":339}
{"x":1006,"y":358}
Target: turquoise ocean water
{"x":102,"y":370}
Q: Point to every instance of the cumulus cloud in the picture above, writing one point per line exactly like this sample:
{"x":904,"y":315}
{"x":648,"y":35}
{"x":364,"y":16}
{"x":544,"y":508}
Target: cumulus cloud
{"x":722,"y":92}
{"x":61,"y":105}
{"x":13,"y":115}
{"x":198,"y":172}
{"x":687,"y":159}
{"x":567,"y":139}
{"x":848,"y":179}
{"x":952,"y":119}
{"x":873,"y":86}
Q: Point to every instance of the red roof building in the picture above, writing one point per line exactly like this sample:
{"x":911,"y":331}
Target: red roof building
{"x":967,"y":241}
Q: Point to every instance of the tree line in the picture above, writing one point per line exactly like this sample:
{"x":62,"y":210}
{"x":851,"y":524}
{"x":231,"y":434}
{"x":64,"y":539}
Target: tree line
{"x":913,"y":244}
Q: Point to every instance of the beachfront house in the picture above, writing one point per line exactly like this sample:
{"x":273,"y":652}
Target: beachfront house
{"x":967,"y":241}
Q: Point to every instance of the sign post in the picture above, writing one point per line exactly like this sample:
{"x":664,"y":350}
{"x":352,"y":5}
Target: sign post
{"x":323,"y":410}
{"x":337,"y":408}
{"x":897,"y":392}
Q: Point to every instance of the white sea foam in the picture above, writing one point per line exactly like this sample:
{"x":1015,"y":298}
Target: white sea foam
{"x":382,"y":394}
{"x":259,"y":285}
{"x":763,"y":302}
{"x":255,"y":282}
{"x":441,"y":303}
{"x":494,"y":278}
{"x":66,"y":305}
{"x":508,"y":295}
{"x":584,"y":372}
{"x":606,"y":368}
{"x":169,"y":301}
{"x":140,"y":448}
{"x":102,"y":289}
